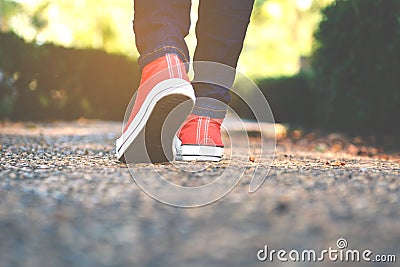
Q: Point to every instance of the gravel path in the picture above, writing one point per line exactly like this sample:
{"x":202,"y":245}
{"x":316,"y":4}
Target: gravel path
{"x":66,"y":201}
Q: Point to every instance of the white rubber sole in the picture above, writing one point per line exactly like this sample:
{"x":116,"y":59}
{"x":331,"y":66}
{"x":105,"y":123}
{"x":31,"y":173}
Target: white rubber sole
{"x":197,"y":152}
{"x":149,"y":137}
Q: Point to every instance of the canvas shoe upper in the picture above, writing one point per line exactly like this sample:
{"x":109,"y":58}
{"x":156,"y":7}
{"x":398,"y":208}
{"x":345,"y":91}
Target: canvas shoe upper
{"x":200,"y":139}
{"x":164,"y":99}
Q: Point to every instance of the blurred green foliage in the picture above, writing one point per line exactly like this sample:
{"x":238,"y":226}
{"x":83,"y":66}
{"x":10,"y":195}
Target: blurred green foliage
{"x":279,"y":34}
{"x":290,"y":98}
{"x":53,"y":82}
{"x":356,"y":66}
{"x":8,"y":9}
{"x":353,"y":83}
{"x":280,"y":31}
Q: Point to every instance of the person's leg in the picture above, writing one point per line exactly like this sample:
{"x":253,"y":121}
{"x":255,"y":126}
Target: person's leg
{"x":160,"y":27}
{"x":220,"y":32}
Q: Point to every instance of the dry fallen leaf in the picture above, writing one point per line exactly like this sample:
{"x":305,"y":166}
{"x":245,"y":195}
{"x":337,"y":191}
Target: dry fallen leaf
{"x":296,"y":134}
{"x":352,"y":149}
{"x":336,"y":163}
{"x":383,"y":156}
{"x":357,"y":140}
{"x":336,"y":147}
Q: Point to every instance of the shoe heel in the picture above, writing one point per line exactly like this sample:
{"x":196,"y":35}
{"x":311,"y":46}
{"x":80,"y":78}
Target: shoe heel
{"x":166,"y":119}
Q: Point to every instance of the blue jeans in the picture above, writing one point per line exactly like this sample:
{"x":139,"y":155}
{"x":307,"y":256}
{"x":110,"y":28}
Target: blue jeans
{"x":160,"y":27}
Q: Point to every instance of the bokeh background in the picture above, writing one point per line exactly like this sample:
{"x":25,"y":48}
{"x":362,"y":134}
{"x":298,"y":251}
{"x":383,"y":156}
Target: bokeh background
{"x":322,"y":64}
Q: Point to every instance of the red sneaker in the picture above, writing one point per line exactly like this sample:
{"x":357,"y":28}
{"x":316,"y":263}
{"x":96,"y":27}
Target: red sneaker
{"x":200,"y":139}
{"x":149,"y":132}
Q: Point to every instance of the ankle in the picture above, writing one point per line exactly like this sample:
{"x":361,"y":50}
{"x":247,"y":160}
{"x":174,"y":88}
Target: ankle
{"x":193,"y":117}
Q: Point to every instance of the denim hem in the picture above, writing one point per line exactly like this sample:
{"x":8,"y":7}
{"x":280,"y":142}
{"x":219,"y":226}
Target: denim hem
{"x":210,"y":107}
{"x":215,"y":114}
{"x":163,"y":50}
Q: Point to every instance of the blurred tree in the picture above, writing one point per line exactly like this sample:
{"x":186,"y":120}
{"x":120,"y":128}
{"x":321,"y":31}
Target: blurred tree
{"x":356,"y":66}
{"x":77,"y":23}
{"x":280,"y":32}
{"x":53,"y":82}
{"x":38,"y":19}
{"x":8,"y":8}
